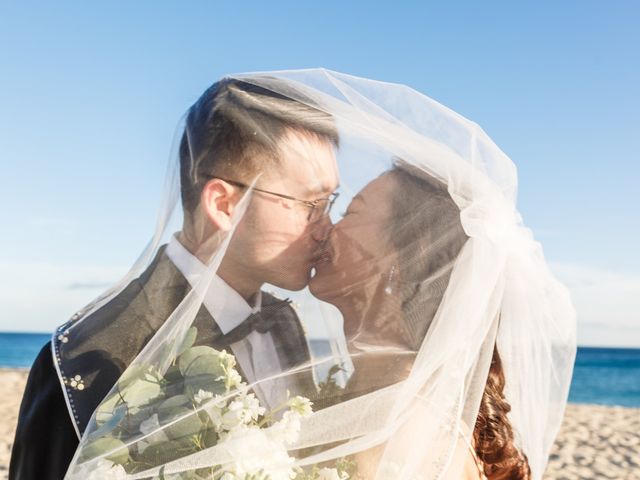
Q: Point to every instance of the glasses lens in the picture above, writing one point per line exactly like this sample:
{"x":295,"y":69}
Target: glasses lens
{"x":318,"y":211}
{"x":322,"y":208}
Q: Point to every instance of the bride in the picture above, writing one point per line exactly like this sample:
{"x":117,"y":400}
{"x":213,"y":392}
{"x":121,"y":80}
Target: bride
{"x":386,"y":267}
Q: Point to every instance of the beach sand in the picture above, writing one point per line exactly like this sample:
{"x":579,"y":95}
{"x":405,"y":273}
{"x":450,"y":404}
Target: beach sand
{"x":12,"y":382}
{"x":595,"y":442}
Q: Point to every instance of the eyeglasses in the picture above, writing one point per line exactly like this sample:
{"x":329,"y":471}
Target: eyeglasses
{"x":318,"y":208}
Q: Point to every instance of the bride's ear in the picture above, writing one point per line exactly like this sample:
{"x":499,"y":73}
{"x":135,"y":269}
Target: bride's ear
{"x":218,"y":201}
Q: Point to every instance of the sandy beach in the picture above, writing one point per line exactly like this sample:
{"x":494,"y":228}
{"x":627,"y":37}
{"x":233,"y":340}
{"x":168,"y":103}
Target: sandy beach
{"x":595,"y":442}
{"x":12,"y":382}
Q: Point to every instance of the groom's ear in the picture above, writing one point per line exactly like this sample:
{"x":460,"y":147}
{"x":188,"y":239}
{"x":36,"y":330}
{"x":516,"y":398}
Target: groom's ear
{"x":218,"y":200}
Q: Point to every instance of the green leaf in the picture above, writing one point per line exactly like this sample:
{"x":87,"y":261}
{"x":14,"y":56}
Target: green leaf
{"x":210,"y":437}
{"x":140,"y":392}
{"x":168,"y":451}
{"x":105,"y":410}
{"x":103,"y":445}
{"x":110,"y":423}
{"x":173,"y":374}
{"x":190,"y":425}
{"x":205,"y":365}
{"x":188,"y":340}
{"x":131,"y":374}
{"x":209,"y":383}
{"x":190,"y":355}
{"x":137,"y":415}
{"x":171,"y":403}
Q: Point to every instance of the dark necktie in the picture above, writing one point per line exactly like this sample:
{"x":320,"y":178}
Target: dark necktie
{"x":261,"y":322}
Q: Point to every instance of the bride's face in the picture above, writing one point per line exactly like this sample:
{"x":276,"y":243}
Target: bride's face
{"x":358,"y":255}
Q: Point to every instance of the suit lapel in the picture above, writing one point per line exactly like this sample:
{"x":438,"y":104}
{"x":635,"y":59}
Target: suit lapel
{"x":92,"y":355}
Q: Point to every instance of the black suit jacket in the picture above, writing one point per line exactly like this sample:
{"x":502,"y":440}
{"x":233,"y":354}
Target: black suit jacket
{"x":77,"y":369}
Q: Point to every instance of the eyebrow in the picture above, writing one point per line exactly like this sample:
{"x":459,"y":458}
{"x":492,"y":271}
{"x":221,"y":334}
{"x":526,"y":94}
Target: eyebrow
{"x":322,"y":190}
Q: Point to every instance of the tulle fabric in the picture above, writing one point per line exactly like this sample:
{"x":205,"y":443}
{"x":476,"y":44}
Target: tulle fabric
{"x":411,"y":349}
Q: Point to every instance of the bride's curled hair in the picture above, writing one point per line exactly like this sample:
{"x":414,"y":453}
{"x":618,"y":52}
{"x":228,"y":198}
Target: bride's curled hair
{"x":493,"y":435}
{"x":428,"y":233}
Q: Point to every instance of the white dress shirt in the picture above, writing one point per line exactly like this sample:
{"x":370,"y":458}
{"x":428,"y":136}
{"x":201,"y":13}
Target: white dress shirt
{"x":256,"y":353}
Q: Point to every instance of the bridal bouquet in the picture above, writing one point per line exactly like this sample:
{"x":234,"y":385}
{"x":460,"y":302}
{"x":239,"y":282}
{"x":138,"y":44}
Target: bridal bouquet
{"x":199,"y":402}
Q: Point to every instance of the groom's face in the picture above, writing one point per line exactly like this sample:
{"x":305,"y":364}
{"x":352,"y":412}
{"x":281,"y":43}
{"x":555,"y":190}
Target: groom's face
{"x":276,"y":241}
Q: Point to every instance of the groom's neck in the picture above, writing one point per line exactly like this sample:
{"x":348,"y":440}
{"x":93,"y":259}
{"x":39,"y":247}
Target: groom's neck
{"x":246,"y":286}
{"x":242,"y":282}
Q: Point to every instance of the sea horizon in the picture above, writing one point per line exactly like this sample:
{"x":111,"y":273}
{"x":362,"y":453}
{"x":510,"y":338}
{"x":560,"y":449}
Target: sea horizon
{"x":29,"y":332}
{"x":602,"y":375}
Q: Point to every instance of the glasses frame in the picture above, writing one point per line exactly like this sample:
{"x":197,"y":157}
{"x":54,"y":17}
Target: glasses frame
{"x":313,"y":204}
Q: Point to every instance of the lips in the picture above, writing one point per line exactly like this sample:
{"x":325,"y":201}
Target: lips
{"x":321,"y":257}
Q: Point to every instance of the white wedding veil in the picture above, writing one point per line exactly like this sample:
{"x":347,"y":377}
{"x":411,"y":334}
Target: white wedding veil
{"x":437,"y":333}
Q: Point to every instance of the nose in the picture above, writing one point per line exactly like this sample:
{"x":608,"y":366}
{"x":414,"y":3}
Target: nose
{"x":321,"y":229}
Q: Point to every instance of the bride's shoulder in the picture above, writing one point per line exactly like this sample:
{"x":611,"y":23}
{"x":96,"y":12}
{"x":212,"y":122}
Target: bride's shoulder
{"x":464,"y":465}
{"x":472,"y":470}
{"x":465,"y":456}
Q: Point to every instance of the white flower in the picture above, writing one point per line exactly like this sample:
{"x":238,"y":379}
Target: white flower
{"x":300,"y":405}
{"x":257,"y":455}
{"x":232,"y":416}
{"x":288,"y":429}
{"x":214,"y":409}
{"x":202,"y":395}
{"x":216,"y":418}
{"x":252,"y":408}
{"x":233,"y":380}
{"x":226,"y":360}
{"x":241,"y":411}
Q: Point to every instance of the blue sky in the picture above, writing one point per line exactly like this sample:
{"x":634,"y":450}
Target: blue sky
{"x":90,"y":96}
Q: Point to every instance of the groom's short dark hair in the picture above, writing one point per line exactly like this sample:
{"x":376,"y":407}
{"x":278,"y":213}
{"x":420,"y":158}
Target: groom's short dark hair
{"x":234,"y":128}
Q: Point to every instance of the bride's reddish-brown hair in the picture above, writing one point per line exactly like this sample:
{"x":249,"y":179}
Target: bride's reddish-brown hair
{"x":493,"y":437}
{"x":428,"y":234}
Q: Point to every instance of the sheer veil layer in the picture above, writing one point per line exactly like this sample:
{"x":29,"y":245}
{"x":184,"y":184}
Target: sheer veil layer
{"x":368,"y":341}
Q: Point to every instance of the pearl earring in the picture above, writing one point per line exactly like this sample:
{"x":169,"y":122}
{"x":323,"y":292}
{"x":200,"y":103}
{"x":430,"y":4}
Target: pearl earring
{"x":388,"y":289}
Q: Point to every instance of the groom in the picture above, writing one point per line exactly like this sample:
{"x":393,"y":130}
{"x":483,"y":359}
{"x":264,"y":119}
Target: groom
{"x":234,"y":134}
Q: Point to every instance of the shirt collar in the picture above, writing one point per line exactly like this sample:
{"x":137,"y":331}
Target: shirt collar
{"x":226,"y":306}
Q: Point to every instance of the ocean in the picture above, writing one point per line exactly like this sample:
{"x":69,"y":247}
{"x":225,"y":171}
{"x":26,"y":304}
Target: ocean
{"x":605,"y":376}
{"x":19,"y":350}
